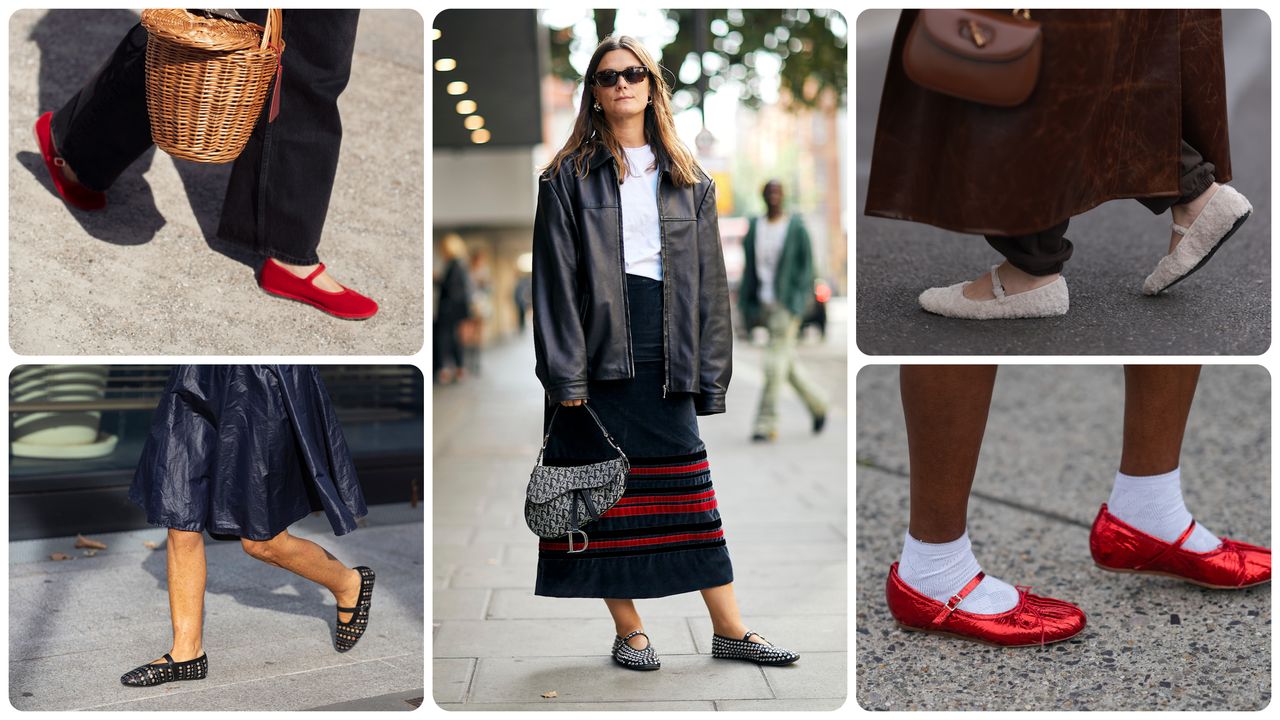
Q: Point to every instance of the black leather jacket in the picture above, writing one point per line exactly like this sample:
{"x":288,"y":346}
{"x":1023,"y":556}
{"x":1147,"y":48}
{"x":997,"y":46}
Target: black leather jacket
{"x":581,"y":330}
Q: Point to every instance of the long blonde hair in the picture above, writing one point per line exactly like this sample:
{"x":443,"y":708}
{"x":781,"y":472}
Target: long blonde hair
{"x":591,"y":129}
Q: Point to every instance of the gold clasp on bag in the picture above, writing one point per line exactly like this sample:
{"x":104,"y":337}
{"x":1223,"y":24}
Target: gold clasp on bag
{"x":1024,"y":14}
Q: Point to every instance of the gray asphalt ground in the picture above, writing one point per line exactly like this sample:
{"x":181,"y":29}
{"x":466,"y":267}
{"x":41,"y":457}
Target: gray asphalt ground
{"x":1048,"y":461}
{"x":496,"y":646}
{"x":139,"y":277}
{"x":1224,"y":309}
{"x":76,"y":626}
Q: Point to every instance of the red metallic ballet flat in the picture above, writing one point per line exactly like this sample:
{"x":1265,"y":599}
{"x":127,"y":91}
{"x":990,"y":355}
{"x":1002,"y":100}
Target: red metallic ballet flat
{"x":1119,"y":547}
{"x":1035,"y":620}
{"x":346,"y":304}
{"x":75,"y":194}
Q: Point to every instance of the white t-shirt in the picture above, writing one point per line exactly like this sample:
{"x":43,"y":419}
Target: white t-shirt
{"x":641,"y":236}
{"x":770,"y":234}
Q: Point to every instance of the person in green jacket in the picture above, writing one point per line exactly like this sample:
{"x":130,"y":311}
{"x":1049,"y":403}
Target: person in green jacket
{"x":776,"y":289}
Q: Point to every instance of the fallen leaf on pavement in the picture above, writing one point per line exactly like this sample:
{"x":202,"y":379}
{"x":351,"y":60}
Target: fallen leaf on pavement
{"x":84,"y":542}
{"x":550,"y":694}
{"x":150,"y":544}
{"x":60,"y":556}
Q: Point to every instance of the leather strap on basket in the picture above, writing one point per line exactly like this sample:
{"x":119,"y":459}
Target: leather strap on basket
{"x":547,"y":438}
{"x":954,"y":601}
{"x":271,"y":38}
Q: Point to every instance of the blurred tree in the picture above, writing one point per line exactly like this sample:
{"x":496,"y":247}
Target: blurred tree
{"x":811,"y":47}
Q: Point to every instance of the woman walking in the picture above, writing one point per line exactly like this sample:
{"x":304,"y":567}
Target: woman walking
{"x":245,"y":451}
{"x":631,"y":315}
{"x":280,"y":186}
{"x":1128,"y":104}
{"x":1144,"y":527}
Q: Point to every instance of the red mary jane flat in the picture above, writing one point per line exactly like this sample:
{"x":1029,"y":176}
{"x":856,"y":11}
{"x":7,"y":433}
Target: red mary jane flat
{"x":75,"y":194}
{"x":1119,"y":547}
{"x":347,"y":304}
{"x":1035,"y":620}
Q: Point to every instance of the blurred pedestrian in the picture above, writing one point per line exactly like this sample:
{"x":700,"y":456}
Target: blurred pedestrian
{"x":1144,"y":527}
{"x":104,"y":128}
{"x":523,"y":297}
{"x":631,"y":314}
{"x":1128,"y":104}
{"x":245,"y":451}
{"x":776,"y":292}
{"x":453,"y":306}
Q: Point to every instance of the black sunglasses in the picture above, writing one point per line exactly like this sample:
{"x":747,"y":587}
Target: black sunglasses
{"x":633,"y":75}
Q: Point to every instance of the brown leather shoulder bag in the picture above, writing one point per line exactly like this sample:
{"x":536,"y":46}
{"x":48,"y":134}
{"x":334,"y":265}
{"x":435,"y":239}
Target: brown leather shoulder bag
{"x":983,"y":56}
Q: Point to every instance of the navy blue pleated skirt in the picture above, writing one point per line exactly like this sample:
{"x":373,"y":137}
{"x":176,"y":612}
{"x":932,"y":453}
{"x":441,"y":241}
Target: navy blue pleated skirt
{"x":664,"y":536}
{"x":246,"y":451}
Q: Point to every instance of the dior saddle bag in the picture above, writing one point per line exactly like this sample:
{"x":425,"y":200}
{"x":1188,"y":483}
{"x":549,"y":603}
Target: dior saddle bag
{"x":560,"y":500}
{"x":983,"y":56}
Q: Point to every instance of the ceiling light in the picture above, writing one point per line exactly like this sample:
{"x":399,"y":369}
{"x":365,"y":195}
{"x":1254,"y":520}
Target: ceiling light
{"x":480,"y":136}
{"x":466,"y":107}
{"x":473,"y":122}
{"x":446,"y":64}
{"x":457,"y":87}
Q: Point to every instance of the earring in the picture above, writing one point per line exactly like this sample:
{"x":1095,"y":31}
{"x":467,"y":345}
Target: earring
{"x":596,"y":107}
{"x":650,"y":99}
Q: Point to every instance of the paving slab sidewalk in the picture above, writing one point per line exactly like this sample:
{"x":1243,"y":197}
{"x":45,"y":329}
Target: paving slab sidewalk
{"x":268,"y":633}
{"x":496,"y":646}
{"x":1047,"y":463}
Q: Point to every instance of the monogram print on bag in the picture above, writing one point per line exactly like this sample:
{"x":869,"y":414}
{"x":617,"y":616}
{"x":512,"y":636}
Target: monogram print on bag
{"x":553,"y":490}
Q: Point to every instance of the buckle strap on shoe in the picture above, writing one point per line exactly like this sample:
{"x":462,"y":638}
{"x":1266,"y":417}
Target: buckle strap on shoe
{"x":954,"y":601}
{"x":1174,"y":546}
{"x":997,"y":288}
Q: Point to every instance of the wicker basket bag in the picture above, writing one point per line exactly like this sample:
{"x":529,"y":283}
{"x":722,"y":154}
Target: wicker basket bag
{"x":207,"y":78}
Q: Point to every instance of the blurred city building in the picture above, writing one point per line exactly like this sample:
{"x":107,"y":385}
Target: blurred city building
{"x":505,"y":87}
{"x":77,"y":431}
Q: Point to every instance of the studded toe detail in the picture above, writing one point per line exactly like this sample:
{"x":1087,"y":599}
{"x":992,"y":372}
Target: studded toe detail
{"x":168,"y":671}
{"x":633,"y":659}
{"x":763,"y":654}
{"x":348,"y":633}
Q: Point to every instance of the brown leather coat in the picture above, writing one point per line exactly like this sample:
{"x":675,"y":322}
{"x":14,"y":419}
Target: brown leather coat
{"x":1117,"y":91}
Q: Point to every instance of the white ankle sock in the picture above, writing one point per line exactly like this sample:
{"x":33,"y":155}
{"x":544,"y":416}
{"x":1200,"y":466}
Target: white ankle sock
{"x":941,"y":570}
{"x":1153,"y":504}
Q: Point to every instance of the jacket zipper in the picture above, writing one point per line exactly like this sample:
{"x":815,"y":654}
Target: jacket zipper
{"x":622,"y":268}
{"x":662,"y":246}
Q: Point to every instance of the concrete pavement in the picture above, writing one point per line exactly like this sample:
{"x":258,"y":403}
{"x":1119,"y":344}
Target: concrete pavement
{"x":498,"y":647}
{"x":139,"y":277}
{"x":75,"y":626}
{"x":1224,"y":309}
{"x":1047,"y":463}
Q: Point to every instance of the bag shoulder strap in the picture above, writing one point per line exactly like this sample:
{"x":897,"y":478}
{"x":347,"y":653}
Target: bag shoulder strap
{"x":547,"y":437}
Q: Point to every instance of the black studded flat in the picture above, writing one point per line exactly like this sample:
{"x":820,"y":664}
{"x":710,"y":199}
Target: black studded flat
{"x":169,"y":671}
{"x":633,"y":659}
{"x":762,"y":654}
{"x":347,"y":634}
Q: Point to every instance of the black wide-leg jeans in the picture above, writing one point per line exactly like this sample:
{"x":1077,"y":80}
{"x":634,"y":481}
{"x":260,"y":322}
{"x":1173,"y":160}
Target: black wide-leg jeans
{"x":1045,"y":252}
{"x":278,"y":194}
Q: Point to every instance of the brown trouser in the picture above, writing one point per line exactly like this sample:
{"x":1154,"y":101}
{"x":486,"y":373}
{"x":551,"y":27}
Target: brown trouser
{"x":1045,"y":252}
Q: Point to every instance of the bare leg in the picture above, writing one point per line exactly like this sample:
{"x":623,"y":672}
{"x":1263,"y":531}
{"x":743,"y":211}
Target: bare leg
{"x":946,"y":412}
{"x":726,"y":621}
{"x":305,"y":558}
{"x":626,"y":620}
{"x":186,"y":577}
{"x":1157,"y":401}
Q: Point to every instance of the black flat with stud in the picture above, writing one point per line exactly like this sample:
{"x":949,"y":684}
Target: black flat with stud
{"x":347,"y":634}
{"x":725,"y":648}
{"x":633,"y":659}
{"x":168,"y":671}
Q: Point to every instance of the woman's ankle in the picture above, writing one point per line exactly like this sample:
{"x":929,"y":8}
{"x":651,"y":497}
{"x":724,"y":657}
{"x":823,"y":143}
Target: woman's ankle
{"x":1016,"y":280}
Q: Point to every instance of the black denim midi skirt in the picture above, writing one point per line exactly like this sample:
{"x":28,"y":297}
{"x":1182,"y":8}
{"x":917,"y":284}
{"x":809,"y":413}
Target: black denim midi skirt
{"x":664,"y":536}
{"x":246,"y":451}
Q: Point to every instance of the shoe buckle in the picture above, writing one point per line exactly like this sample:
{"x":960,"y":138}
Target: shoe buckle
{"x":953,"y":602}
{"x":585,"y":541}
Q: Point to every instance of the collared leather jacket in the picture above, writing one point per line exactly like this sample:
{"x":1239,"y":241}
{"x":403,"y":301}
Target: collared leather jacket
{"x":581,"y":330}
